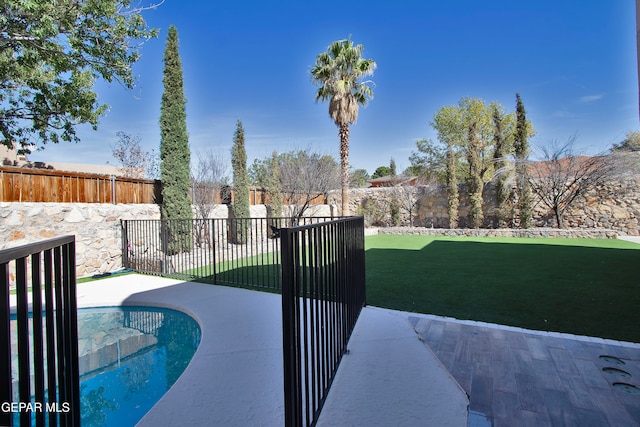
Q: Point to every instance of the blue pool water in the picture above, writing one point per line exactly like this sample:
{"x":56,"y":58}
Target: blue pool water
{"x":129,"y":357}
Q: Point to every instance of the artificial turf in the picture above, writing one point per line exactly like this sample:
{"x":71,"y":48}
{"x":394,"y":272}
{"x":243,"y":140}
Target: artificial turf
{"x":580,"y":286}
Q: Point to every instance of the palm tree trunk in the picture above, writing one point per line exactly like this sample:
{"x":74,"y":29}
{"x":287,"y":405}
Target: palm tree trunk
{"x":344,"y":166}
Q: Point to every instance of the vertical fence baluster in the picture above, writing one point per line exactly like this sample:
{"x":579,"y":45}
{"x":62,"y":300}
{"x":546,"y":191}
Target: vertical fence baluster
{"x":38,"y":338}
{"x":6,"y":394}
{"x":52,"y":379}
{"x":24,"y":365}
{"x":71,"y":315}
{"x":60,"y":336}
{"x":289,"y":324}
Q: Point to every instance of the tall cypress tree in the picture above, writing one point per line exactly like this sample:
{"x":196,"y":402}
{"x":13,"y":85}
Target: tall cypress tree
{"x":521,"y":148}
{"x":392,"y":167}
{"x":240,"y":183}
{"x":501,"y":150}
{"x":394,"y":203}
{"x":274,"y":187}
{"x":174,"y":150}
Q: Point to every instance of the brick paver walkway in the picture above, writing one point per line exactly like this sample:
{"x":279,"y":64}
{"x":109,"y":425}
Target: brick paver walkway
{"x":516,"y":377}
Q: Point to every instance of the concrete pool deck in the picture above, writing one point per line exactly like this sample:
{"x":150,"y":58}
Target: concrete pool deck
{"x":235,"y":377}
{"x":633,"y":239}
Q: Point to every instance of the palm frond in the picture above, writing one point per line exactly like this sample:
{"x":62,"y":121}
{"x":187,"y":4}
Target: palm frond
{"x":339,"y":74}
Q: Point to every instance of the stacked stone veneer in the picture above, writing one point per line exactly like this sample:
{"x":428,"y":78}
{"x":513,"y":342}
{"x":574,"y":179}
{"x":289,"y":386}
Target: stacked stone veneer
{"x":615,"y":206}
{"x":498,"y":232}
{"x":97,"y":227}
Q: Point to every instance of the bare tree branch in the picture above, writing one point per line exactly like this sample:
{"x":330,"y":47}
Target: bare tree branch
{"x":305,"y":176}
{"x":209,"y":181}
{"x":562,"y":176}
{"x":408,"y":195}
{"x":134,"y":162}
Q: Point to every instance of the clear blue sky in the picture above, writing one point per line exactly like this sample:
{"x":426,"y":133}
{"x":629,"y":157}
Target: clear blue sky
{"x":572,"y":61}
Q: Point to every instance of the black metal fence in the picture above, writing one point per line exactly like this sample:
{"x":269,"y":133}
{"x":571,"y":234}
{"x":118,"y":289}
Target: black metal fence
{"x":317,"y":264}
{"x":232,"y":251}
{"x":46,"y":345}
{"x":323,"y":292}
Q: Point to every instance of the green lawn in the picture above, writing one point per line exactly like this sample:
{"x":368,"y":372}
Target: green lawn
{"x":581,"y":286}
{"x":263,"y":271}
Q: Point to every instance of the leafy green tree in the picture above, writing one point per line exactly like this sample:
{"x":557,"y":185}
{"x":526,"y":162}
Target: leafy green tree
{"x":340,"y":72}
{"x":413,"y":171}
{"x":521,"y":148}
{"x":477,"y":113}
{"x":358,"y":178}
{"x":381,"y":171}
{"x":475,"y":182}
{"x":630,"y":143}
{"x":452,"y":124}
{"x":51,"y":53}
{"x":450,"y":127}
{"x":174,"y":150}
{"x":449,"y":123}
{"x":259,"y":173}
{"x":468,"y":129}
{"x":240,"y":184}
{"x":392,"y":167}
{"x":429,"y":162}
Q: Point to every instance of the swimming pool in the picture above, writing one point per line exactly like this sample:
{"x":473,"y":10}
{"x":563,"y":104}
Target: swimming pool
{"x":128,"y":358}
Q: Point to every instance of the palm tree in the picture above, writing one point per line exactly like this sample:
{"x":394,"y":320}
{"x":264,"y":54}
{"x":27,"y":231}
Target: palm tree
{"x":340,"y":72}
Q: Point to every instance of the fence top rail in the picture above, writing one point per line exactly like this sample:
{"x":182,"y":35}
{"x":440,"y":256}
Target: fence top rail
{"x":319,"y":224}
{"x":11,"y":254}
{"x":326,"y":218}
{"x":72,"y":174}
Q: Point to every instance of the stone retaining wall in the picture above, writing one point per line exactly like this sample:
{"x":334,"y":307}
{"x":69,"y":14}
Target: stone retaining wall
{"x":497,"y":232}
{"x":615,"y":206}
{"x":97,"y":227}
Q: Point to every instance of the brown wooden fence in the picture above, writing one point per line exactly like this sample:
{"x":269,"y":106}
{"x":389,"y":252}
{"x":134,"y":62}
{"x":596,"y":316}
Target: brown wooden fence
{"x":46,"y":185}
{"x":260,"y":196}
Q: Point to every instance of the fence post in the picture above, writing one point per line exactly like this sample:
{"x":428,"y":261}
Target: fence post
{"x":290,"y":337}
{"x":113,"y":190}
{"x":72,"y":373}
{"x":164,"y":223}
{"x":124,"y":229}
{"x":213,"y":249}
